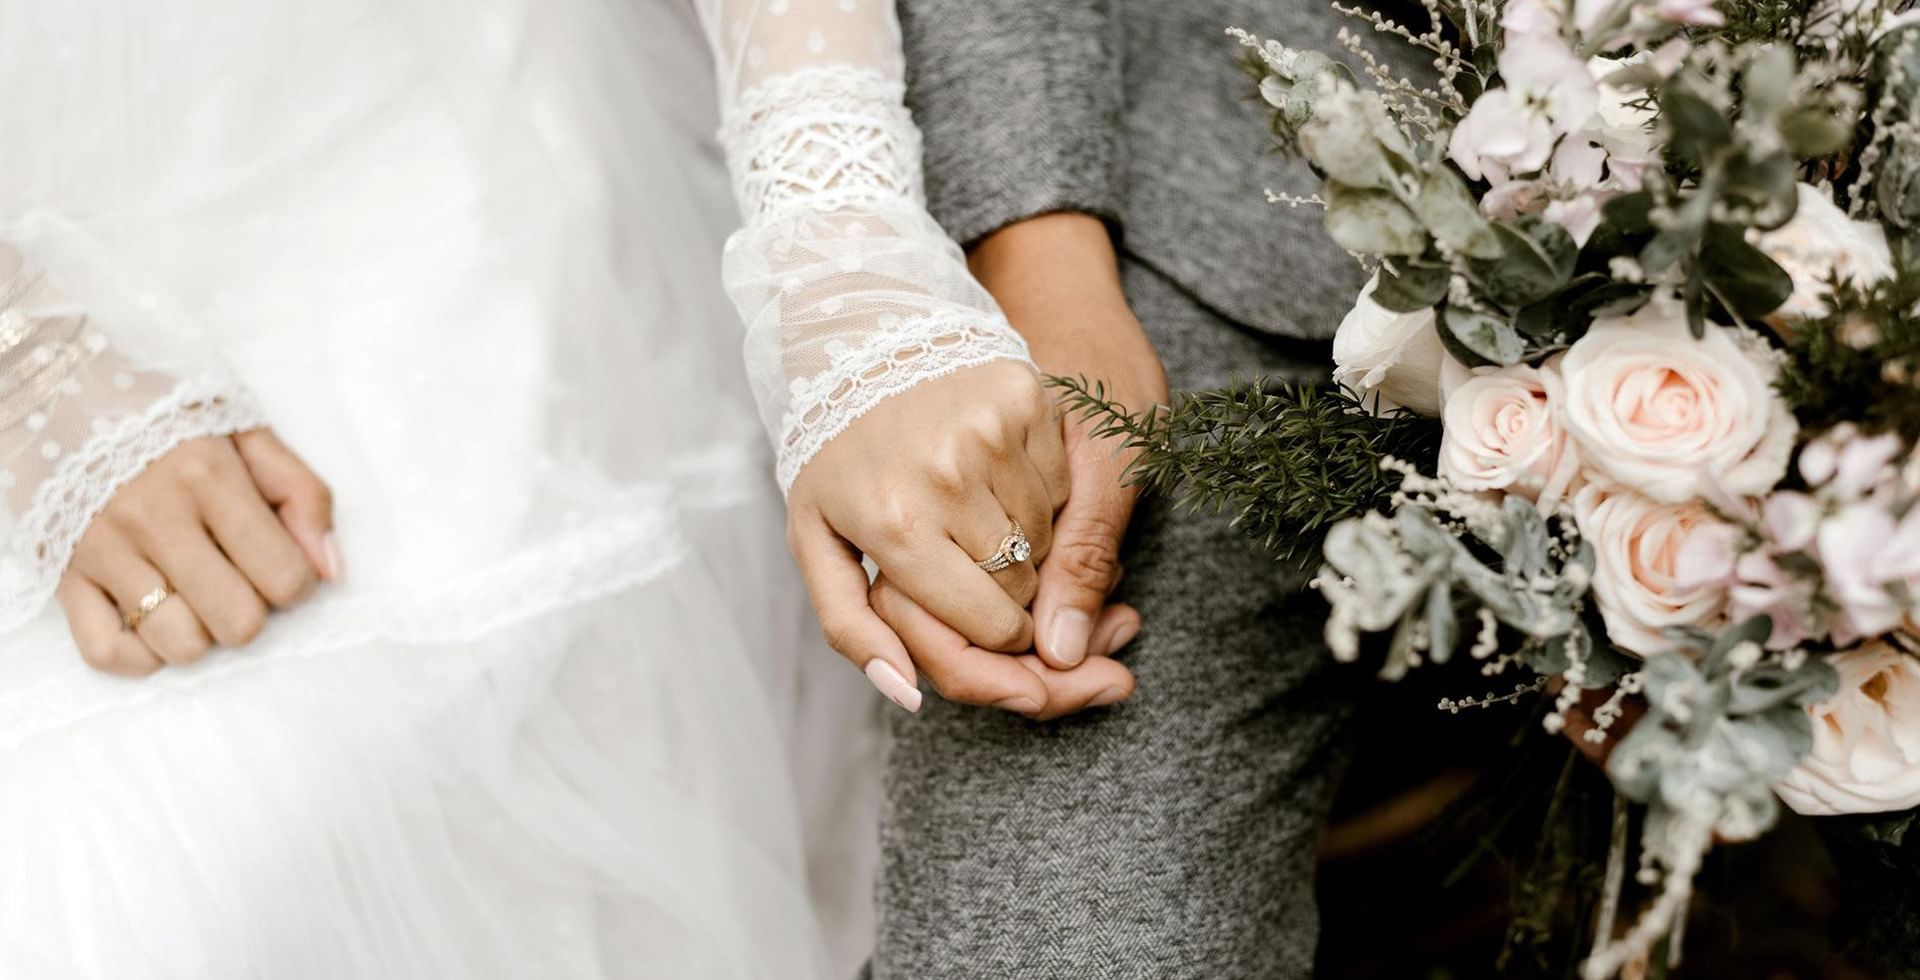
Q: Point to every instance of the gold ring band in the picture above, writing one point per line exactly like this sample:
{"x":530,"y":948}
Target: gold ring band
{"x":1013,"y":550}
{"x":148,"y":603}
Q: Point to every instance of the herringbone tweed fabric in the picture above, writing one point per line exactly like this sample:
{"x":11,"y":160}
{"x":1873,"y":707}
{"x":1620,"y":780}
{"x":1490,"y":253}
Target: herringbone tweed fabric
{"x":1170,"y":837}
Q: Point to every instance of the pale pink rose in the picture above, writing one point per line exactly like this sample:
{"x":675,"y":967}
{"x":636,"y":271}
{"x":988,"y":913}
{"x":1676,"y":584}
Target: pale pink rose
{"x":1819,"y":242}
{"x":1637,"y":576}
{"x":1394,"y":358}
{"x":1866,"y":739}
{"x":1502,"y":432}
{"x":1673,"y":417}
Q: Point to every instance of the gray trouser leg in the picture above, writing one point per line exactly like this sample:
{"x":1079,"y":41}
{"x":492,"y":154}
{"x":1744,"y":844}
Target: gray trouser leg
{"x":1169,"y":837}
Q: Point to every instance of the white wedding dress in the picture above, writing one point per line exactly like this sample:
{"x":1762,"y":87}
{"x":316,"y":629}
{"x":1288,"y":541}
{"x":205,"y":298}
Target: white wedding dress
{"x":461,"y":255}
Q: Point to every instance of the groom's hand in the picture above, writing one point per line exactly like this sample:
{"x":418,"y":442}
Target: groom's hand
{"x":1058,"y":280}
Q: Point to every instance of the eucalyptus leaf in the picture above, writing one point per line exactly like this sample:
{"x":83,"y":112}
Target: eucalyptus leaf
{"x":1605,"y":665}
{"x":1742,"y":275}
{"x":1411,"y":285}
{"x":1766,"y":87}
{"x":1449,"y":211}
{"x":1492,"y":340}
{"x":1536,"y":258}
{"x":1372,"y":222}
{"x":1765,"y":184}
{"x":1696,"y":129}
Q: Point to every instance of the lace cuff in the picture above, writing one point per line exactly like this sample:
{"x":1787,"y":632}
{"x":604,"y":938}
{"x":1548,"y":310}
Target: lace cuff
{"x":850,"y":290}
{"x":822,"y":138}
{"x":78,"y":420}
{"x":903,"y":353}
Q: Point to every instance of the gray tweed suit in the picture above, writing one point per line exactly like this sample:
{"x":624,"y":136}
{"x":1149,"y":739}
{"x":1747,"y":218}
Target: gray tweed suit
{"x":1172,"y":836}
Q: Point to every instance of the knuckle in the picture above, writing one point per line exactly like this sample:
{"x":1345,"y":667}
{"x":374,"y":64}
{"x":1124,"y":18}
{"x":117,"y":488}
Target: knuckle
{"x":287,"y":584}
{"x":99,"y":655}
{"x":321,"y":495}
{"x":946,"y":473}
{"x":840,"y":634}
{"x":194,"y":463}
{"x":1003,"y":632}
{"x":133,"y":507}
{"x":243,"y":624}
{"x":897,"y":520}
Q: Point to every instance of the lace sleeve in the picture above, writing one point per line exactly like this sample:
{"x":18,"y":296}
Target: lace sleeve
{"x":78,"y":419}
{"x":850,"y":291}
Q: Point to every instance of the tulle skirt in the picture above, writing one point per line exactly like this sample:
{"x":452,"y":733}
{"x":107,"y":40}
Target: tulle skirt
{"x":567,"y":717}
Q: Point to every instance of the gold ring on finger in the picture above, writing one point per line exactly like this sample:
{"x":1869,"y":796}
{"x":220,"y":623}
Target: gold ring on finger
{"x":1013,"y":550}
{"x":147,"y":604}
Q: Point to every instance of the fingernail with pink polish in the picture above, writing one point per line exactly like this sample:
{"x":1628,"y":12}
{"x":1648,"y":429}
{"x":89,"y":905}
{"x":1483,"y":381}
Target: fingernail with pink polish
{"x":1069,"y":635}
{"x":336,"y":563}
{"x":1121,"y":637}
{"x":889,"y":682}
{"x":1111,"y":695}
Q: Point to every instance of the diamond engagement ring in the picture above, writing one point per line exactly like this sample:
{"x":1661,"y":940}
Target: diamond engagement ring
{"x":148,"y":603}
{"x":1013,"y":550}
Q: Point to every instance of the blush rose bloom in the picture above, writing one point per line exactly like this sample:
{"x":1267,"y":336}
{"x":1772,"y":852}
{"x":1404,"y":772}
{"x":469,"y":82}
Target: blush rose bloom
{"x":1394,"y":356}
{"x":1819,"y":241}
{"x":1502,"y":431}
{"x":1866,"y":739}
{"x":1673,"y":417}
{"x":1638,"y":580}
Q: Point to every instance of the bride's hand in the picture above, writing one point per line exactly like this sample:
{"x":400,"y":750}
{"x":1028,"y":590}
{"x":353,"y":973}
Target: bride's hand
{"x":229,"y":525}
{"x":926,"y":484}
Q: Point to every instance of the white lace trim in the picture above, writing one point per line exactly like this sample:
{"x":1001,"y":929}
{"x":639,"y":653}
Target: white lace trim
{"x":602,"y":557}
{"x":821,"y":138}
{"x":902,"y":353}
{"x":87,"y":476}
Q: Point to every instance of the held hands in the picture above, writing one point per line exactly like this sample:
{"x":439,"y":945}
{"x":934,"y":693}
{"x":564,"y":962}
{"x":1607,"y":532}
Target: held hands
{"x":224,"y":528}
{"x":927,"y":483}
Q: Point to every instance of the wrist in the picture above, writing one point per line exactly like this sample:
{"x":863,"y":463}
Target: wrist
{"x":1057,"y":278}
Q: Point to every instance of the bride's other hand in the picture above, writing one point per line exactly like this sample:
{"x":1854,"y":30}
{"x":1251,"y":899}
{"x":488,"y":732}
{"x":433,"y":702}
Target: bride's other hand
{"x":230,"y":526}
{"x":928,"y":483}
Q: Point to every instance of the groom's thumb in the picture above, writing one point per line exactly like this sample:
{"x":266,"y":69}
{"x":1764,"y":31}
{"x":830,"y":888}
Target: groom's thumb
{"x":1076,"y":576}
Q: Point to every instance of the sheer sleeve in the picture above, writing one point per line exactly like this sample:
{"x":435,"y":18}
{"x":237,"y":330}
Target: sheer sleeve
{"x":850,"y":291}
{"x":79,"y":417}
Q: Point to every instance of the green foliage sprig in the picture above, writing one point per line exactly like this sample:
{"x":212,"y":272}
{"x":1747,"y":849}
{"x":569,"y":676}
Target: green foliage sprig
{"x":1287,"y":460}
{"x":1861,"y":362}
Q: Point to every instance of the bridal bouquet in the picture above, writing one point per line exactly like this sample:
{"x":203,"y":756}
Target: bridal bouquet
{"x":1629,"y":404}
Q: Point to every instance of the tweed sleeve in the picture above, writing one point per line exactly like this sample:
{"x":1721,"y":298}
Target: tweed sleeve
{"x":1020,"y":106}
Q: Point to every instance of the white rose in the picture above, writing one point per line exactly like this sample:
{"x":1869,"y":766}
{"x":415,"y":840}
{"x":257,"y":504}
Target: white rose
{"x":1819,"y":241}
{"x":1394,"y":357}
{"x":1638,"y":580}
{"x":1866,"y":739}
{"x":1673,"y":417}
{"x":1502,"y":431}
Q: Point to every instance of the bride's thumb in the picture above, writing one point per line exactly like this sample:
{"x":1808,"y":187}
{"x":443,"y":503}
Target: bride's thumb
{"x":302,"y":499}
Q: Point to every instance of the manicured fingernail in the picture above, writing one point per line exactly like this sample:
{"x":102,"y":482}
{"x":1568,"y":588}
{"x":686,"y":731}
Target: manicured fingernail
{"x":1068,"y":636}
{"x":1121,"y":637}
{"x":889,"y":682}
{"x":336,"y":563}
{"x":1019,"y":706}
{"x":1111,"y":695}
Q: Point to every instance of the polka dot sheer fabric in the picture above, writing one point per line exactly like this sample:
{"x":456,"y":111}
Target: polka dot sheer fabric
{"x":850,"y":291}
{"x":78,"y":419}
